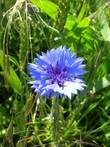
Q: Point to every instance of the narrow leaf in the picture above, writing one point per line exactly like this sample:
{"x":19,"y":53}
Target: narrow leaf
{"x":15,"y":81}
{"x":105,"y":30}
{"x":13,"y":78}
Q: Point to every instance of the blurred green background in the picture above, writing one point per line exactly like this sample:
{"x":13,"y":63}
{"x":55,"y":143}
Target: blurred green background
{"x":28,"y":27}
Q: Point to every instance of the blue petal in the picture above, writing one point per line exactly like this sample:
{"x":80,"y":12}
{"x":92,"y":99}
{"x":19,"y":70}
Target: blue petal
{"x":57,"y":67}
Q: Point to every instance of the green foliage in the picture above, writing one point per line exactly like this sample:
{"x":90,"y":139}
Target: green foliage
{"x":47,"y":6}
{"x":102,"y":83}
{"x":13,"y":78}
{"x":28,"y":27}
{"x":104,"y":27}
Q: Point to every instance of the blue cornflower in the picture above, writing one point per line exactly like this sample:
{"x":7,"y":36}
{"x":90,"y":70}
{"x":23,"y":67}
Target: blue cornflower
{"x":57,"y":73}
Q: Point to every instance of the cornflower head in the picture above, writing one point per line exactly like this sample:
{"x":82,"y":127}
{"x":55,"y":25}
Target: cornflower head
{"x":57,"y":73}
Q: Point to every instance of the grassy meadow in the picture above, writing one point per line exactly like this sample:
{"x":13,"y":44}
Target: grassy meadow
{"x":30,"y":27}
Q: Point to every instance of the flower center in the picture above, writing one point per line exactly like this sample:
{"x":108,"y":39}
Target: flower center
{"x":58,"y":75}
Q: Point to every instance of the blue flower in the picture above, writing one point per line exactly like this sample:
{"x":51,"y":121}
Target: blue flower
{"x":57,"y":73}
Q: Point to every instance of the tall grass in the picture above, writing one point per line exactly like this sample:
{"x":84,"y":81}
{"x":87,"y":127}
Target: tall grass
{"x":30,"y":27}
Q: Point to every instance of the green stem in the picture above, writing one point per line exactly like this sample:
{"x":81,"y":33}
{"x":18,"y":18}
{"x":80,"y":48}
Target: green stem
{"x":55,"y":121}
{"x":94,"y":68}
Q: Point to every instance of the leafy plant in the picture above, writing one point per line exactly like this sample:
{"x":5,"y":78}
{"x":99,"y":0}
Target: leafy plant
{"x":28,"y":27}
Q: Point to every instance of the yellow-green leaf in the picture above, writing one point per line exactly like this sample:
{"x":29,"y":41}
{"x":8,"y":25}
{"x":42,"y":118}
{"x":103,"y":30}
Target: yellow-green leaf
{"x":47,"y":6}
